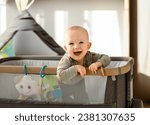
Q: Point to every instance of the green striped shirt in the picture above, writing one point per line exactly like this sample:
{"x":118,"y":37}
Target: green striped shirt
{"x":66,"y":68}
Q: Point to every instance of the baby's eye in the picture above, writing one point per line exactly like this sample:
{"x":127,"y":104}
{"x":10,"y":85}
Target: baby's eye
{"x":81,"y":42}
{"x":70,"y":43}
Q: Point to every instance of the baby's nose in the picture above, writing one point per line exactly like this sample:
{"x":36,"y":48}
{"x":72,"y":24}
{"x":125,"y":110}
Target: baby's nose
{"x":76,"y":46}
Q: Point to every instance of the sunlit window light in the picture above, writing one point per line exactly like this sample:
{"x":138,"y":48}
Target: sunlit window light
{"x":61,"y":23}
{"x":104,"y":31}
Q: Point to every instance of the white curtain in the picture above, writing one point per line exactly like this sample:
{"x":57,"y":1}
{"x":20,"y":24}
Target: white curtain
{"x":144,"y":37}
{"x":142,"y":84}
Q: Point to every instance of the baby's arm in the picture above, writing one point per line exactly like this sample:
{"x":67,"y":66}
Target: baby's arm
{"x":94,"y":66}
{"x":66,"y":72}
{"x":102,"y":61}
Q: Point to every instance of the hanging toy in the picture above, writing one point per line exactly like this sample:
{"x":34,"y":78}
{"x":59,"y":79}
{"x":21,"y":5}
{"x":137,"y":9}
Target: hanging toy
{"x":50,"y":87}
{"x":27,"y":88}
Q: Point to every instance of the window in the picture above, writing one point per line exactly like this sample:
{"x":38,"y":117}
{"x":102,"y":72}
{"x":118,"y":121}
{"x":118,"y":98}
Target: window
{"x":106,"y":20}
{"x":108,"y":25}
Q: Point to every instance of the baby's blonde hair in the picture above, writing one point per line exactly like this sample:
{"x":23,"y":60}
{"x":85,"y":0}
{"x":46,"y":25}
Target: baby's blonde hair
{"x":78,"y":28}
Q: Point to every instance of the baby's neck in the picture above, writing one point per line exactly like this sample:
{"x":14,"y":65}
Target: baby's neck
{"x":80,"y":62}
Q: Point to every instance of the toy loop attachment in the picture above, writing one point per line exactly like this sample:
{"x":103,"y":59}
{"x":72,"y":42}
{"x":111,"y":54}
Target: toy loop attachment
{"x":25,"y":69}
{"x":41,"y":71}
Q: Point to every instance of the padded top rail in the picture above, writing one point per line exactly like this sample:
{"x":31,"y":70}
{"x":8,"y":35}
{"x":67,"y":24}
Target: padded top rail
{"x":52,"y":70}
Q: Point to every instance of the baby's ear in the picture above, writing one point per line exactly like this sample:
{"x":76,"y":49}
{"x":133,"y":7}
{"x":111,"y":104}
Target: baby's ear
{"x":89,"y":45}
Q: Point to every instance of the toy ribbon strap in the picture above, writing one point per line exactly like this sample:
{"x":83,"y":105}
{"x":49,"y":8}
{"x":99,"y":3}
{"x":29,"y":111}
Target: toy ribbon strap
{"x":25,"y":69}
{"x":41,"y":71}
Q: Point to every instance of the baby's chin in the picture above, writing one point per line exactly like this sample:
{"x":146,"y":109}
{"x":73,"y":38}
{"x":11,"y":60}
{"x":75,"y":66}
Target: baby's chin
{"x":78,"y":58}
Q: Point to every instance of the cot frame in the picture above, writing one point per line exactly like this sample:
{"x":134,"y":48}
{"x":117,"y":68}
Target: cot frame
{"x":127,"y":70}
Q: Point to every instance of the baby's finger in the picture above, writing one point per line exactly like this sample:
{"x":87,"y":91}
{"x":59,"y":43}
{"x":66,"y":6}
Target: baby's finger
{"x":102,"y":70}
{"x":92,"y":69}
{"x":95,"y":70}
{"x":82,"y":72}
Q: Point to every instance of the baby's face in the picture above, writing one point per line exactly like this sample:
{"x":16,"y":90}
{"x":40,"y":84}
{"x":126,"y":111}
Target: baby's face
{"x":77,"y":44}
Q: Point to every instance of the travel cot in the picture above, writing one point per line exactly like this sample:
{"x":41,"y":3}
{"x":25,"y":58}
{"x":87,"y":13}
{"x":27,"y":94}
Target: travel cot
{"x":116,"y":92}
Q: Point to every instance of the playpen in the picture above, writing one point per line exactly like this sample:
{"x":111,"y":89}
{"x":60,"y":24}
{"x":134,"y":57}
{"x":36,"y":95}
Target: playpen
{"x":114,"y":89}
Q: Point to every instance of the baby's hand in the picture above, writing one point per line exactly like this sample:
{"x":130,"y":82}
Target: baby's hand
{"x":81,"y":70}
{"x":94,"y":67}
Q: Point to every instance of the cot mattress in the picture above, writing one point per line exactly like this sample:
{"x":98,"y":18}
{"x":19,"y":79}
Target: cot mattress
{"x":114,"y":89}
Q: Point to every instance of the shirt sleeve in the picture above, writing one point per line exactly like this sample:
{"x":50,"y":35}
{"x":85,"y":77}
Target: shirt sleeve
{"x":65,"y":71}
{"x":104,"y":59}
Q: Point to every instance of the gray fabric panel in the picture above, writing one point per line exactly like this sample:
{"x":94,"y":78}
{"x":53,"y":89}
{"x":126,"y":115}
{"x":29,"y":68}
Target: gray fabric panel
{"x":75,"y":93}
{"x":116,"y":91}
{"x":7,"y":86}
{"x":121,"y":91}
{"x":110,"y":94}
{"x":6,"y":36}
{"x":79,"y":93}
{"x":95,"y":88}
{"x":25,"y":22}
{"x":28,"y":43}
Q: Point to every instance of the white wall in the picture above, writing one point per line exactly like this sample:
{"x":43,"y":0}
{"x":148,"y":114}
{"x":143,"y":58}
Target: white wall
{"x":2,"y":17}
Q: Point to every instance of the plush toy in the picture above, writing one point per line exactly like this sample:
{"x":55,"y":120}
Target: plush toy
{"x":28,"y":88}
{"x":51,"y":89}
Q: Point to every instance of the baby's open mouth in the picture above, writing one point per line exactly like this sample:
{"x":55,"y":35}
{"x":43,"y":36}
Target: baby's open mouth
{"x":77,"y":53}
